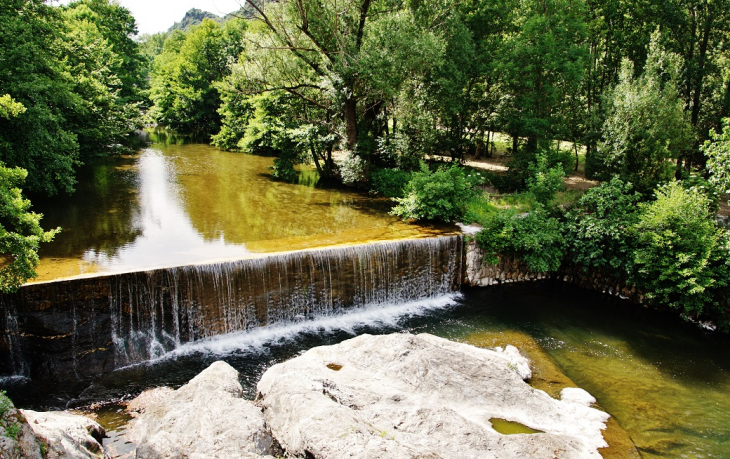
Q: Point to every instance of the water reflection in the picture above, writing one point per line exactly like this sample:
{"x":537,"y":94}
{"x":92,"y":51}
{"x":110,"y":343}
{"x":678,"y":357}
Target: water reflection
{"x":176,"y":204}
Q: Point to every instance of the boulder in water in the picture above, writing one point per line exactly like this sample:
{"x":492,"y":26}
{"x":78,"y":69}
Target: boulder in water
{"x":206,"y":418}
{"x":405,"y":396}
{"x":66,"y":435}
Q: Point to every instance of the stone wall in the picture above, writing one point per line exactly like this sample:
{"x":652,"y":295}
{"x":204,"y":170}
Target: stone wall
{"x":477,"y":273}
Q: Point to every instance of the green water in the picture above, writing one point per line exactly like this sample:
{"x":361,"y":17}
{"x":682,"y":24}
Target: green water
{"x":666,"y":383}
{"x":178,"y":204}
{"x":510,"y":427}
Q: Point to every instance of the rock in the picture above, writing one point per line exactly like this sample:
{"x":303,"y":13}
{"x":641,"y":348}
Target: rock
{"x":66,"y":435}
{"x":206,"y":418}
{"x":406,"y":396}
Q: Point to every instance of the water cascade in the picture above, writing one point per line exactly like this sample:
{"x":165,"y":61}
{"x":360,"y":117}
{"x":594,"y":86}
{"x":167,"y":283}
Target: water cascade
{"x":81,"y":328}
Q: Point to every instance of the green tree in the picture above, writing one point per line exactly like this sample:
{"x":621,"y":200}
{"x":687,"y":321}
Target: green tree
{"x":103,"y":116}
{"x":349,"y":60}
{"x":535,"y":239}
{"x":717,"y":151}
{"x":543,"y":62}
{"x":681,"y":258}
{"x":647,"y":127}
{"x":185,"y":73}
{"x":599,"y":228}
{"x":440,"y":195}
{"x":20,"y":231}
{"x":33,"y":73}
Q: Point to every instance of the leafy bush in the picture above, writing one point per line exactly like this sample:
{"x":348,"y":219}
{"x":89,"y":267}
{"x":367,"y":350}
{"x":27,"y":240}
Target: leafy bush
{"x":681,"y":258}
{"x":440,"y":195}
{"x":534,"y":238}
{"x":389,"y":182}
{"x":5,"y":403}
{"x":599,"y":227}
{"x":717,"y":151}
{"x":479,"y":209}
{"x":646,"y":126}
{"x":697,"y":184}
{"x":353,"y":170}
{"x":544,"y":182}
{"x":523,"y":164}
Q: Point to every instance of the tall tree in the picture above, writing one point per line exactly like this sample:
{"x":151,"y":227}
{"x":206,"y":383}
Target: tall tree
{"x":647,"y":126}
{"x":542,"y":64}
{"x":345,"y":58}
{"x":20,"y":231}
{"x":183,"y":90}
{"x":32,"y":71}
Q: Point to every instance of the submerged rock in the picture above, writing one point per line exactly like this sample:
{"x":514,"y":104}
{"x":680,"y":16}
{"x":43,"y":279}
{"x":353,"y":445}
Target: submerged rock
{"x":405,"y":396}
{"x":206,"y":418}
{"x":66,"y":435}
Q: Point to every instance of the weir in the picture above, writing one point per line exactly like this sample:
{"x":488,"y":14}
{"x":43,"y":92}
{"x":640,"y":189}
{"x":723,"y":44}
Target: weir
{"x":78,"y":329}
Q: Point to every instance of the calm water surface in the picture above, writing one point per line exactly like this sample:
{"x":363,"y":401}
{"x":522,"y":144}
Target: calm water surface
{"x":665,"y":382}
{"x":172,"y":205}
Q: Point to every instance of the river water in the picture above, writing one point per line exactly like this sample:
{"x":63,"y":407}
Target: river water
{"x":179,"y":204}
{"x":666,"y":382}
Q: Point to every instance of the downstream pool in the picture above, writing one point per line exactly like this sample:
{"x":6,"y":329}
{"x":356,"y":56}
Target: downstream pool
{"x":180,"y":204}
{"x":665,"y":382}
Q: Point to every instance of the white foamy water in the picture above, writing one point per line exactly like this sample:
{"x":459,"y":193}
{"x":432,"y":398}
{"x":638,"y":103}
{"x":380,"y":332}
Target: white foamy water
{"x":349,"y":321}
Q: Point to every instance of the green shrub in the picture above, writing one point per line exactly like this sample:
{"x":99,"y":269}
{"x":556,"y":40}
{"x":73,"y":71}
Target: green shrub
{"x":440,"y":195}
{"x":543,"y":181}
{"x":478,"y":209}
{"x":681,"y":259}
{"x":599,"y":227}
{"x":523,"y":164}
{"x":698,"y":184}
{"x":5,"y":403}
{"x":389,"y":182}
{"x":534,"y":238}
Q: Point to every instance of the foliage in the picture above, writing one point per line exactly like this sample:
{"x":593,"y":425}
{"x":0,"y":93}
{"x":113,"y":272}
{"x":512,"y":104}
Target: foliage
{"x":534,"y":238}
{"x":681,"y":258}
{"x":5,"y":403}
{"x":353,"y":170}
{"x":186,"y":72}
{"x":77,"y":71}
{"x":696,"y":183}
{"x":599,"y":228}
{"x":479,"y":209}
{"x":20,"y":232}
{"x":717,"y":151}
{"x":544,"y":182}
{"x":543,"y":63}
{"x":389,"y":182}
{"x":437,"y":195}
{"x":523,"y":165}
{"x":647,"y":126}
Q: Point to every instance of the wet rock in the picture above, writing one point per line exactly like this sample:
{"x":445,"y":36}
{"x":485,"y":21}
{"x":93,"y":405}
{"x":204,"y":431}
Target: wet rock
{"x":405,"y":396}
{"x":66,"y":435}
{"x":206,"y":418}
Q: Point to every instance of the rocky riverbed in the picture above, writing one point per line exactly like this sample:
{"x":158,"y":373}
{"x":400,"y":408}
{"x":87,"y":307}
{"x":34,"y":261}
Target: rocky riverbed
{"x":398,"y":395}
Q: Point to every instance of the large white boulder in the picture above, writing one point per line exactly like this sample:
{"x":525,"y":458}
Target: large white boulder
{"x":406,"y":396}
{"x":204,"y":419}
{"x":66,"y":435}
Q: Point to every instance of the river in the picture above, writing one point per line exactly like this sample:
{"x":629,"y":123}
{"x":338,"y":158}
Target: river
{"x":667,"y":383}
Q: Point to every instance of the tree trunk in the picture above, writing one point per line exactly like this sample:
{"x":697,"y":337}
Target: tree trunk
{"x":701,"y":69}
{"x":351,"y":122}
{"x":726,"y":104}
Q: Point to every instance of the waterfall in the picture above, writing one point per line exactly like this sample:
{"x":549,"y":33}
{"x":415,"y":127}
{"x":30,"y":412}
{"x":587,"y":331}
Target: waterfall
{"x":154,"y":312}
{"x":82,"y":328}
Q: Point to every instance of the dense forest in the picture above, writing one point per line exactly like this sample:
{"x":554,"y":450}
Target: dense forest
{"x":366,"y":90}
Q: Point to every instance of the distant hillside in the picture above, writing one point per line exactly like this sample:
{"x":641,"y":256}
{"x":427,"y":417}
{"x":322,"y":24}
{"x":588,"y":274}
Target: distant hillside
{"x":193,"y":18}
